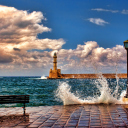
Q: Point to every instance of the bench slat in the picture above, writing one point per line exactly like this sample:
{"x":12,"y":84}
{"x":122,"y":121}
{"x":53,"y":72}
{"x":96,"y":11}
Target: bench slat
{"x":14,"y":99}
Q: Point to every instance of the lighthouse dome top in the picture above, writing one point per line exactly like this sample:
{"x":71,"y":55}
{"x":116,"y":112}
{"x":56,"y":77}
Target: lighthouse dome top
{"x":55,"y":54}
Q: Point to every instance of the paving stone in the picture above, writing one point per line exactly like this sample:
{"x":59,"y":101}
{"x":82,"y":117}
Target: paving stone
{"x":73,"y":116}
{"x":33,"y":126}
{"x":60,"y":123}
{"x":58,"y":126}
{"x":83,"y":124}
{"x":83,"y":127}
{"x":44,"y":127}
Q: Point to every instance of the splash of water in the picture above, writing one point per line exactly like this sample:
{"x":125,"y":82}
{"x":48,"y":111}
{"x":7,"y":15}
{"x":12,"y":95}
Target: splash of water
{"x":43,"y":77}
{"x":107,"y":95}
{"x":64,"y":93}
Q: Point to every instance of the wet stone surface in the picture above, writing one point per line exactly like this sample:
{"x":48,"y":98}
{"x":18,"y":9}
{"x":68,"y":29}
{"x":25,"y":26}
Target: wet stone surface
{"x":74,"y":116}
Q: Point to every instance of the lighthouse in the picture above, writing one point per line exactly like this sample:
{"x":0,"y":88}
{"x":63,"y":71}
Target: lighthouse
{"x":55,"y":62}
{"x":55,"y":73}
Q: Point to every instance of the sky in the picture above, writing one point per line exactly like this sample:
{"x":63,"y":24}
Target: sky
{"x":87,"y":36}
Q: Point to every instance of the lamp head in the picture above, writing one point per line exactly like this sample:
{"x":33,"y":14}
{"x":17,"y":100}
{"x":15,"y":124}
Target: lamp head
{"x":126,"y":44}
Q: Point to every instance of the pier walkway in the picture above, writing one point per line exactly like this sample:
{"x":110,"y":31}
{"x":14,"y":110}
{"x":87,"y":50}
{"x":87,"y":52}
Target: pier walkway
{"x":74,"y":116}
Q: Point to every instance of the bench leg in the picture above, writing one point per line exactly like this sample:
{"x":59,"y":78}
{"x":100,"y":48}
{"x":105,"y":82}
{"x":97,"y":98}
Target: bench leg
{"x":24,"y":109}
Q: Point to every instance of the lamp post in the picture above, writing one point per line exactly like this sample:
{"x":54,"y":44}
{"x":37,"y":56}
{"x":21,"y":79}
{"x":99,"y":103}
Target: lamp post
{"x":126,"y":47}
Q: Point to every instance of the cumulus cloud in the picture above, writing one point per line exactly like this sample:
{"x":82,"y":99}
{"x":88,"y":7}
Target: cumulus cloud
{"x":104,"y":10}
{"x":19,"y":45}
{"x":18,"y":26}
{"x":90,"y":54}
{"x":5,"y":57}
{"x":98,"y":21}
{"x":40,"y":44}
{"x":18,"y":36}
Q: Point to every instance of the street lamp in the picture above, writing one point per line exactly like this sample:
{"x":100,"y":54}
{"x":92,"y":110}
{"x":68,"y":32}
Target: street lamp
{"x":126,"y":47}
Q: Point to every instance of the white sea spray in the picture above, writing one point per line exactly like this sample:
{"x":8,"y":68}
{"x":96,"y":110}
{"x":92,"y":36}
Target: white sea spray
{"x":107,"y":95}
{"x":43,"y":77}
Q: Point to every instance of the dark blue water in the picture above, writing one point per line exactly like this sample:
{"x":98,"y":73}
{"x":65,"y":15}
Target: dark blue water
{"x":43,"y":91}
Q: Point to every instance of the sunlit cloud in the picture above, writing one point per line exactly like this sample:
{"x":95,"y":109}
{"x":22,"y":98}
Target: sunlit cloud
{"x":18,"y":36}
{"x":90,"y":54}
{"x":98,"y":21}
{"x":18,"y":26}
{"x":20,"y":48}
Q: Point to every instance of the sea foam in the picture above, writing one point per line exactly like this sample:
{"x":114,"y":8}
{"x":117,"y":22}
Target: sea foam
{"x":107,"y":95}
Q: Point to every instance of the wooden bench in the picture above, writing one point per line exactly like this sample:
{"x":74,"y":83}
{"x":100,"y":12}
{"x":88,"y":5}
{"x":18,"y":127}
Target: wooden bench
{"x":10,"y":99}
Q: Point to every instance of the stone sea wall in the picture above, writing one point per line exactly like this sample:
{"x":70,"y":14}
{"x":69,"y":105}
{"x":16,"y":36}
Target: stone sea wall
{"x":89,"y":76}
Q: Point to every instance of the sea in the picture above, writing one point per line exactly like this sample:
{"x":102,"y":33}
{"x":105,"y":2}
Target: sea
{"x":50,"y":92}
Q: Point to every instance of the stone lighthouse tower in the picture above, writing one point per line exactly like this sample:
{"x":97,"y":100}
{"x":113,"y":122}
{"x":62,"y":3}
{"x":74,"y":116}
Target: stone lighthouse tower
{"x":55,"y":73}
{"x":55,"y":62}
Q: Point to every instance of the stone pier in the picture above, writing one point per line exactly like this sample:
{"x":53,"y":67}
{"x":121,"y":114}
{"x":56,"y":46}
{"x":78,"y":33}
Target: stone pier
{"x":73,"y":116}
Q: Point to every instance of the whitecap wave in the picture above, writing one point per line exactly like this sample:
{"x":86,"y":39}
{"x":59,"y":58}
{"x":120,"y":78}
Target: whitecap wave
{"x":107,"y":96}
